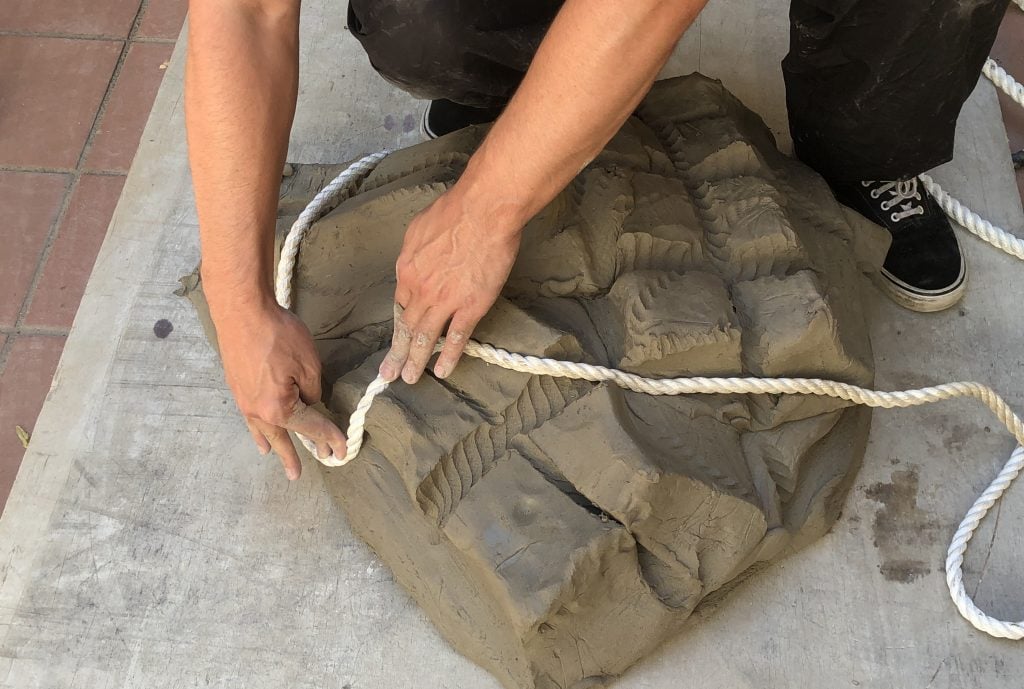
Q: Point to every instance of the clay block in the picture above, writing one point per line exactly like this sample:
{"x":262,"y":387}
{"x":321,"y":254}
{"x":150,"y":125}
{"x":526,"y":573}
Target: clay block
{"x":665,"y":487}
{"x":673,"y":325}
{"x":556,"y":531}
{"x":791,"y":328}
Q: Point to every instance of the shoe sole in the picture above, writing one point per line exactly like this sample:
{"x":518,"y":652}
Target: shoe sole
{"x":916,"y":300}
{"x":424,"y":127}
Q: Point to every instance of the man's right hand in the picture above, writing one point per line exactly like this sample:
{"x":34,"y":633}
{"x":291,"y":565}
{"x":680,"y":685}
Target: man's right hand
{"x":273,"y":369}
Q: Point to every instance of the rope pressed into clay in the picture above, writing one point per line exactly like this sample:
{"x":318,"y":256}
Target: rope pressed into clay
{"x":349,"y":180}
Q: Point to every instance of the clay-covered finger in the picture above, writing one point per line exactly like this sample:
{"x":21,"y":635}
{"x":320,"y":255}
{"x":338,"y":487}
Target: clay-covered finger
{"x":318,"y":428}
{"x":281,"y":442}
{"x":454,"y":344}
{"x":262,"y":444}
{"x":426,"y":332}
{"x":401,"y":341}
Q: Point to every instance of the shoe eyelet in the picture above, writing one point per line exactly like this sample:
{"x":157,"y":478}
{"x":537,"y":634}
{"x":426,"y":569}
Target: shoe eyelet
{"x":875,"y":194}
{"x":894,"y":217}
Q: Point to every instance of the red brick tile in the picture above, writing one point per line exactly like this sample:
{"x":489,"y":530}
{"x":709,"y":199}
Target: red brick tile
{"x":163,"y":19}
{"x":23,"y":387}
{"x":119,"y":130}
{"x":70,"y":261}
{"x":85,"y":17}
{"x":29,"y":203}
{"x":52,"y":88}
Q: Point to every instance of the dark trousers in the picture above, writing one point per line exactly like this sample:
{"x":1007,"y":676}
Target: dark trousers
{"x":873,"y":87}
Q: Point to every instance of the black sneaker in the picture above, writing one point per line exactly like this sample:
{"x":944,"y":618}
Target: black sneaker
{"x":444,"y":117}
{"x":924,"y":269}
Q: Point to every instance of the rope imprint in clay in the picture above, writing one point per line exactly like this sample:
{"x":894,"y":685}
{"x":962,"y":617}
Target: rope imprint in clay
{"x":348,"y":181}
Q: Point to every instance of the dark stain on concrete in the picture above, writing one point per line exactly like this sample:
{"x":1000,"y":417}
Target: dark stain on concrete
{"x":903,"y":571}
{"x":408,"y":123}
{"x":958,"y":437}
{"x":903,"y":533}
{"x":389,"y":122}
{"x":162,"y":328}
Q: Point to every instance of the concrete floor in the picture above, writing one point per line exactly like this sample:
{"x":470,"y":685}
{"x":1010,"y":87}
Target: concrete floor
{"x":147,"y":545}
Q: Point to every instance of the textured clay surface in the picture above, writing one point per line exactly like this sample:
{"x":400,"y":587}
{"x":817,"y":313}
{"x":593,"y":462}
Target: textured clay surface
{"x":557,"y":531}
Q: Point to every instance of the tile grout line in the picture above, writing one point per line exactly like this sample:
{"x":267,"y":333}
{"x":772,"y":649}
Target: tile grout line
{"x":86,"y":37}
{"x":34,"y":331}
{"x":13,"y":332}
{"x":76,"y":175}
{"x":59,"y":170}
{"x":34,"y":168}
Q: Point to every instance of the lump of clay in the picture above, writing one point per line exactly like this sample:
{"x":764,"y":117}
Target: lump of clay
{"x":556,"y":531}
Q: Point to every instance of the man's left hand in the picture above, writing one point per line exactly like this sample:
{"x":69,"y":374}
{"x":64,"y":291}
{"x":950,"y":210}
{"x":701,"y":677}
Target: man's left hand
{"x":451,"y":269}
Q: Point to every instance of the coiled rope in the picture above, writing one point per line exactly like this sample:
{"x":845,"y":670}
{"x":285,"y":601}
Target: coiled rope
{"x":344,"y":184}
{"x":961,"y":214}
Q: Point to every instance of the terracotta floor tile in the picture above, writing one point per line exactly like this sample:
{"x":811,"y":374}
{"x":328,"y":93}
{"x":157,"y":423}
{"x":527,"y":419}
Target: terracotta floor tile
{"x":51,"y":89}
{"x":163,"y":19}
{"x":23,"y":387}
{"x":85,"y":17}
{"x":70,"y":261}
{"x":29,"y":202}
{"x":119,"y":130}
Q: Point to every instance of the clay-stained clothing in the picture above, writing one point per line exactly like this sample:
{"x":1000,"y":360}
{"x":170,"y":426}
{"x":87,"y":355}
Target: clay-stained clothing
{"x":874,"y":87}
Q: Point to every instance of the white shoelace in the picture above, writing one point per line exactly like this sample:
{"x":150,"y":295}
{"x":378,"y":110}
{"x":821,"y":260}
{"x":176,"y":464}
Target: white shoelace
{"x":899,"y":191}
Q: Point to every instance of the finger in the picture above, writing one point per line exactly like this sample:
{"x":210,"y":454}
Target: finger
{"x":454,"y":344}
{"x":401,"y":341}
{"x":318,"y":428}
{"x":285,"y":450}
{"x":427,"y":330}
{"x":262,"y":444}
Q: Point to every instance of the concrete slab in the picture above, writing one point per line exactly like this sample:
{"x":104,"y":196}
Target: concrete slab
{"x":147,"y":545}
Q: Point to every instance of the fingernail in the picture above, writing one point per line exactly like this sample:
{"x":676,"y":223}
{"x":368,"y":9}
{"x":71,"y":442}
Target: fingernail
{"x":262,"y":450}
{"x":410,"y":377}
{"x":442,"y":370}
{"x":292,"y":474}
{"x":387,"y":371}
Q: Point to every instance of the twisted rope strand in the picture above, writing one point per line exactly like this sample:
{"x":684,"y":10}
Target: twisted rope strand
{"x":974,"y":223}
{"x":344,"y":184}
{"x":337,"y":190}
{"x":1004,"y":80}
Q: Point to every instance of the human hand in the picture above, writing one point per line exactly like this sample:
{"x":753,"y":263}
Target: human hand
{"x":451,"y":269}
{"x":273,"y":371}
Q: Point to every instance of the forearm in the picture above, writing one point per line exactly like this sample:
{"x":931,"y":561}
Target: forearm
{"x":596,"y":63}
{"x":240,"y":89}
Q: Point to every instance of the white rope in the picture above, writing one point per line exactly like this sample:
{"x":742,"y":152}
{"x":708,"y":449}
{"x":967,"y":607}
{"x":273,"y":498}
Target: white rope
{"x":1004,"y":80}
{"x":339,"y":189}
{"x":974,"y":223}
{"x":961,"y":214}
